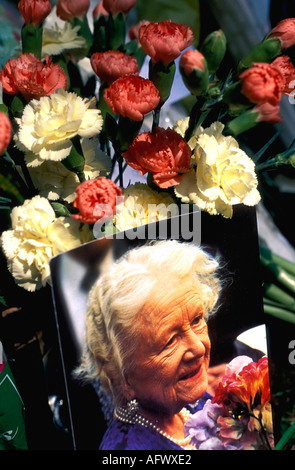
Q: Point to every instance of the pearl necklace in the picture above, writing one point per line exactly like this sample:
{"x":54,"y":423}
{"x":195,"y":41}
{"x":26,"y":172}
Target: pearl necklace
{"x":125,"y":416}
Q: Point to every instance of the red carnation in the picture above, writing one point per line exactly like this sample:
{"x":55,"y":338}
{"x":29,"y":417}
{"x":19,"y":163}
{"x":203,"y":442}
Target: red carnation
{"x":111,"y":65}
{"x":285,"y":32}
{"x":66,"y":10}
{"x":164,"y":153}
{"x":132,"y":96}
{"x":262,"y":83}
{"x":164,"y":41}
{"x":96,"y":199}
{"x":118,"y":6}
{"x":32,"y":77}
{"x":284,"y":65}
{"x":5,"y":131}
{"x":34,"y":11}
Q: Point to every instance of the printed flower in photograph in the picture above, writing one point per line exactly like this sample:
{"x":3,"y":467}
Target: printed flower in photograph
{"x":32,"y":77}
{"x":96,"y":199}
{"x":54,"y":181}
{"x":63,"y":39}
{"x":142,"y":205}
{"x":48,"y":125}
{"x":132,"y":96}
{"x":36,"y":236}
{"x":164,"y":41}
{"x":163,"y":153}
{"x":224,"y":175}
{"x":239,"y":416}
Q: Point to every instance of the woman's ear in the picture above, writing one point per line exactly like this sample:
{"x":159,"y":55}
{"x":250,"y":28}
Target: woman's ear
{"x":129,"y":392}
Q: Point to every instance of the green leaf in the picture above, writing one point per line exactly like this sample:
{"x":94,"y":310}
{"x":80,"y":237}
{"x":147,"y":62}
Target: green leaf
{"x":186,"y":12}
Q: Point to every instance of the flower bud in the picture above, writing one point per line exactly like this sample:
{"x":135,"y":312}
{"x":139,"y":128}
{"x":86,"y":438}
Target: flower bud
{"x":250,"y":118}
{"x":214,"y":49}
{"x":285,"y":32}
{"x":194,"y":71}
{"x":34,"y":11}
{"x":266,"y":51}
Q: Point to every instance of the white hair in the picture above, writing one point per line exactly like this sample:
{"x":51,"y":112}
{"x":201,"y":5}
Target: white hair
{"x":119,"y":295}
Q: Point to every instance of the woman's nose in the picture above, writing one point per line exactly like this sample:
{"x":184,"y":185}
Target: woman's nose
{"x":193,"y":346}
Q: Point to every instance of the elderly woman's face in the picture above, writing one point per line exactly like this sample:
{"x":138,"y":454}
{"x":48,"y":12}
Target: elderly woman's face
{"x":173,"y":351}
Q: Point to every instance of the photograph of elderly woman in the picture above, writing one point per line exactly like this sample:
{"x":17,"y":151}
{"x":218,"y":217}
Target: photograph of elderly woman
{"x":152,"y":341}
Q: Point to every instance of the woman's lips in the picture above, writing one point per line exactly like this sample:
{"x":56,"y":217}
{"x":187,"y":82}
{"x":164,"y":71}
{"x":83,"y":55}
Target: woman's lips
{"x":190,"y":375}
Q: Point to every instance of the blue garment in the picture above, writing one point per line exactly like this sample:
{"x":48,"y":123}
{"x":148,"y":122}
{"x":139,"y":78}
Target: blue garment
{"x":125,"y":436}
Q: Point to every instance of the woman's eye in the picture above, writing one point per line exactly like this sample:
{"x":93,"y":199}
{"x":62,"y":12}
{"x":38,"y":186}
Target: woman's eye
{"x":170,"y":342}
{"x":197,"y":320}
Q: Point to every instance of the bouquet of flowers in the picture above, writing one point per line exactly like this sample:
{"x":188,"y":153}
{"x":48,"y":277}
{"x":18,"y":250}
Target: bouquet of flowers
{"x":67,"y":137}
{"x":239,"y":415}
{"x":61,"y":139}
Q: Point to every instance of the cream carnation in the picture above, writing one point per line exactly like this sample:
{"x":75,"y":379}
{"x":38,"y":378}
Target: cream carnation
{"x":181,"y":127}
{"x":54,"y":181}
{"x":143,"y":205}
{"x":224,"y":175}
{"x":36,"y":236}
{"x":59,"y":39}
{"x":47,"y":125}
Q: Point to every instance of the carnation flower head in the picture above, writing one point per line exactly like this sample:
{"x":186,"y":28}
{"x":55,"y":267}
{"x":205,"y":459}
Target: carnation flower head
{"x":118,"y":6}
{"x":5,"y":131}
{"x":54,"y":181}
{"x":48,"y":125}
{"x":67,"y":10}
{"x":34,"y":11}
{"x":63,"y":39}
{"x":284,"y":65}
{"x":164,"y":41}
{"x":285,"y":32}
{"x":96,"y":199}
{"x":111,"y":65}
{"x":35,"y":237}
{"x":163,"y":153}
{"x":32,"y":77}
{"x":262,"y":83}
{"x":142,"y":205}
{"x":132,"y":96}
{"x":224,"y":176}
{"x":99,"y":10}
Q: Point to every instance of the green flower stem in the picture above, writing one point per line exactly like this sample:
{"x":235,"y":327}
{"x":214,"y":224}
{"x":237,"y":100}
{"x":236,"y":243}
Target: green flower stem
{"x":32,"y":39}
{"x":286,"y":437}
{"x":115,"y":31}
{"x":84,"y":31}
{"x":277,"y":294}
{"x":283,"y":277}
{"x":262,"y":431}
{"x":279,"y":313}
{"x":156,"y":117}
{"x":197,"y":116}
{"x":275,"y":258}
